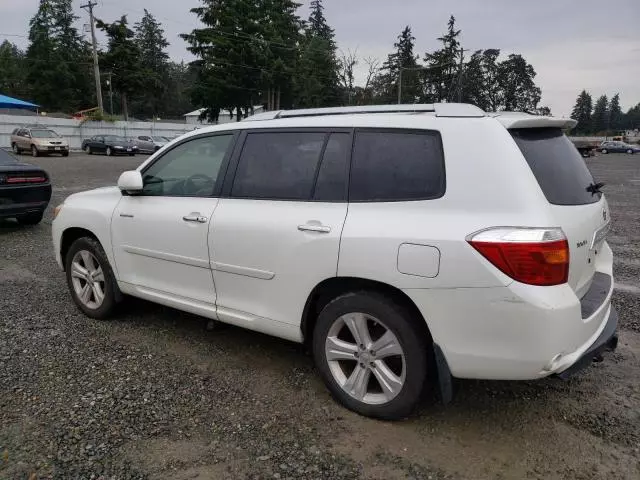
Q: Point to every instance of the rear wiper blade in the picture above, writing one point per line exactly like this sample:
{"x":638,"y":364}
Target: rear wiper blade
{"x":594,"y":188}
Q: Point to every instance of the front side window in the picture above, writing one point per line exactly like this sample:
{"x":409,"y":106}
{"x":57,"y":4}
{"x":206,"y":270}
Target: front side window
{"x":396,"y":165}
{"x":278,"y":165}
{"x":189,"y":170}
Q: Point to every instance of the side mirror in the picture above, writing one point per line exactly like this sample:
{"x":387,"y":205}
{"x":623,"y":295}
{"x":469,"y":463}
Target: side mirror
{"x":130,"y":182}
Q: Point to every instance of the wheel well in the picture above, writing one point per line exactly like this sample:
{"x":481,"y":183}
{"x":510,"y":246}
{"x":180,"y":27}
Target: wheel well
{"x":331,"y":288}
{"x":69,"y":236}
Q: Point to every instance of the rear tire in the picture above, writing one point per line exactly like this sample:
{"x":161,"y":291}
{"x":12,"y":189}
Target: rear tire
{"x":34,"y":151}
{"x":605,"y":151}
{"x":630,"y":152}
{"x":30,"y":218}
{"x":86,"y":259}
{"x":387,"y":325}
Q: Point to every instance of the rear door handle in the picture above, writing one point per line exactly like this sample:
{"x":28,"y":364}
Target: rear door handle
{"x":195,"y":217}
{"x":314,"y":228}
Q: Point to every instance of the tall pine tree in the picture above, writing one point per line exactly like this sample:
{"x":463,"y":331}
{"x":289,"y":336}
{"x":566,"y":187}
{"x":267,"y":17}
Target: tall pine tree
{"x":58,"y":60}
{"x":442,"y":74}
{"x":516,"y":81}
{"x":616,"y":120}
{"x":123,"y":57}
{"x":151,"y":42}
{"x":318,"y":80}
{"x":582,"y":112}
{"x":600,"y":119}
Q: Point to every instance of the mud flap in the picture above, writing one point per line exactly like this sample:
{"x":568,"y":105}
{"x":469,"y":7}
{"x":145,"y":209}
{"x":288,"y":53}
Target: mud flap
{"x":445,"y":381}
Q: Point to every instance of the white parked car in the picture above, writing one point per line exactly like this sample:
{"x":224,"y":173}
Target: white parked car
{"x":404,"y":244}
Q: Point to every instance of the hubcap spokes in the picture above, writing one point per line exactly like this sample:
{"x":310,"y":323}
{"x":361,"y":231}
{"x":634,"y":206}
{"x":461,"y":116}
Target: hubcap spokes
{"x":365,"y":358}
{"x":88,"y":279}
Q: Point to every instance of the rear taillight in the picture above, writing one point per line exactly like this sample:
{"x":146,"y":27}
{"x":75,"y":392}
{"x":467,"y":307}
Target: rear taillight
{"x":536,"y":256}
{"x":23,"y":179}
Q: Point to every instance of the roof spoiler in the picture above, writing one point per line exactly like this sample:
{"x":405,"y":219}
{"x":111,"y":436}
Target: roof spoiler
{"x":439,"y":109}
{"x":526,"y":120}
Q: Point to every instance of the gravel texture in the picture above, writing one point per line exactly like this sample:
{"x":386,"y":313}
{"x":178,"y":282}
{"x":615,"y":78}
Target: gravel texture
{"x":153,"y":394}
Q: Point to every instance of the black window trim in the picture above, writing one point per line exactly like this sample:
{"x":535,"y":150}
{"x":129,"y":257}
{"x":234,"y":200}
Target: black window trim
{"x":235,"y":161}
{"x":412,"y":131}
{"x":217,"y":188}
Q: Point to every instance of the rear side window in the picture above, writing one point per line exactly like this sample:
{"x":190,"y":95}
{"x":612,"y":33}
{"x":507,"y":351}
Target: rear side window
{"x":397,"y":165}
{"x":278,"y":165}
{"x":331,"y":185}
{"x":557,"y":165}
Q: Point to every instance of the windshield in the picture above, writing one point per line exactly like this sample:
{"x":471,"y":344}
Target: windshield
{"x":44,"y":134}
{"x":560,"y":170}
{"x":115,"y":139}
{"x":159,"y":139}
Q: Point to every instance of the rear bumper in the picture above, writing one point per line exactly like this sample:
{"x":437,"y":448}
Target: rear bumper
{"x":18,"y":200}
{"x":606,"y":341}
{"x":517,"y":332}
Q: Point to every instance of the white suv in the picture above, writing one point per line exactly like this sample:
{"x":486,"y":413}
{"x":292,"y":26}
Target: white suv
{"x":405,"y":244}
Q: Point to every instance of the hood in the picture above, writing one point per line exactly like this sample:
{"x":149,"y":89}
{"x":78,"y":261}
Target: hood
{"x":96,"y":192}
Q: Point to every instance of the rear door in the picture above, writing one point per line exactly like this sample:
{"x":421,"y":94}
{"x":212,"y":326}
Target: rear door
{"x":576,"y":204}
{"x":276,"y":232}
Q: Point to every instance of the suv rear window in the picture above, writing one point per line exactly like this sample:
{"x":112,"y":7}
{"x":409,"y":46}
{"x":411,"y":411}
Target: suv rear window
{"x":557,"y":165}
{"x":396,"y":165}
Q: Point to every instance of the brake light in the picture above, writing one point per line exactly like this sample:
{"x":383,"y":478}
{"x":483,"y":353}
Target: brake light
{"x":535,"y":256}
{"x":26,"y":179}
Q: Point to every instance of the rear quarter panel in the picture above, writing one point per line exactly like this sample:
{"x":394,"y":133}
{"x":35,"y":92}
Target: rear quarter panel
{"x":487,"y":184}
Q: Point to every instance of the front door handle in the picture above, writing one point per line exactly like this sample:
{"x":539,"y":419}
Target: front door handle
{"x":314,"y":228}
{"x":195,"y":217}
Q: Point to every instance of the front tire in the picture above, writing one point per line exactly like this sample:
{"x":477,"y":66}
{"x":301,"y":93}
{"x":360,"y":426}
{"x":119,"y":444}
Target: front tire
{"x":630,"y":152}
{"x":371,"y":355}
{"x":109,"y":152}
{"x":15,"y":148}
{"x":30,"y":218}
{"x":605,"y":151}
{"x":34,"y":151}
{"x":88,"y":150}
{"x":90,"y":278}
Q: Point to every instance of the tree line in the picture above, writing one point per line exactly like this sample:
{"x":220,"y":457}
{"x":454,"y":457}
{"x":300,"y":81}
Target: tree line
{"x":249,"y":53}
{"x":605,"y":117}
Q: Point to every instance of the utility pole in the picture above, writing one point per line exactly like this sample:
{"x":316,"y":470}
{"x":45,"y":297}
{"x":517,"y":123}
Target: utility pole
{"x":96,"y":68}
{"x":400,"y":86}
{"x":110,"y":83}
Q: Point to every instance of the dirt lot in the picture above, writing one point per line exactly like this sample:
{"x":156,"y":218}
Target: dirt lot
{"x":153,"y":395}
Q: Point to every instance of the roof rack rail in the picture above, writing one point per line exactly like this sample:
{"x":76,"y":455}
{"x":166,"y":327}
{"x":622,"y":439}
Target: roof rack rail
{"x":440,"y":110}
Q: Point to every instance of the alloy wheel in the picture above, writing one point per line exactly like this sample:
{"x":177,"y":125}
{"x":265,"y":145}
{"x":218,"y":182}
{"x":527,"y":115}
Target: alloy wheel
{"x":365,"y":358}
{"x":88,"y":279}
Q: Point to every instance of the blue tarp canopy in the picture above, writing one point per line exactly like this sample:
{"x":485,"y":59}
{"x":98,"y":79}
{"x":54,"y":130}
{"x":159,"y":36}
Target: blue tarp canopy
{"x":8,"y":102}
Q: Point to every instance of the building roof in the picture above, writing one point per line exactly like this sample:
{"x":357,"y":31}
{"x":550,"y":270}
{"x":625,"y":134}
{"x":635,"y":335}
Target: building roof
{"x":8,"y":102}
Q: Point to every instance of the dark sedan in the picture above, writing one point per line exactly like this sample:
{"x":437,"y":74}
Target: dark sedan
{"x":109,"y":145}
{"x":25,"y":190}
{"x":618,"y":147}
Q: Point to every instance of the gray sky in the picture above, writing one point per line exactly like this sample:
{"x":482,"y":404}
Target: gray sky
{"x":572,"y":44}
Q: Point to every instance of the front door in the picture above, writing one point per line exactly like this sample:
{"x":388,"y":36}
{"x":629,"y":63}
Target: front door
{"x":160,"y":236}
{"x":276,"y":234}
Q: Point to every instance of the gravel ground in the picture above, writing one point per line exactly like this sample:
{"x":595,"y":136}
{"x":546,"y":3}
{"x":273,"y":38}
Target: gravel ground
{"x":153,"y":395}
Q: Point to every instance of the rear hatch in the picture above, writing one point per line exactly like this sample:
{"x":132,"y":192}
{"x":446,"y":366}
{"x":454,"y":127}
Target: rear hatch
{"x":576,"y":203}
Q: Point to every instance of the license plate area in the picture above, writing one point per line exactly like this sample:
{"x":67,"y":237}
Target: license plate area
{"x":600,"y":235}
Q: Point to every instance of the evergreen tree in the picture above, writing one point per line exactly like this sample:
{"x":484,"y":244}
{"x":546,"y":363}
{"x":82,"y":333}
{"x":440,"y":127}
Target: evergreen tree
{"x":516,"y":81}
{"x":442,"y":74}
{"x":631,"y":119}
{"x":480,"y":84}
{"x":58,"y":60}
{"x":402,"y":60}
{"x":615,"y":113}
{"x":12,"y":71}
{"x":149,"y":36}
{"x":600,"y":119}
{"x":229,"y":56}
{"x":318,"y":81}
{"x":582,"y":112}
{"x":123,"y":56}
{"x":281,"y":36}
